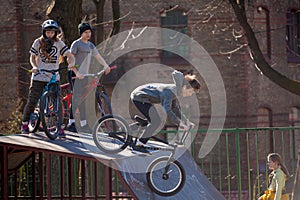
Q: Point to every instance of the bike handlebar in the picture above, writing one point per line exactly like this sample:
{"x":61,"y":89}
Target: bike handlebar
{"x":53,"y":70}
{"x":99,"y":73}
{"x":96,"y":74}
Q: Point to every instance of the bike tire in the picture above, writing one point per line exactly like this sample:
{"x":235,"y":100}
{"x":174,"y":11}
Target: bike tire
{"x":172,"y":184}
{"x":103,"y":104}
{"x":34,"y":121}
{"x":111,"y":134}
{"x":66,"y":112}
{"x":50,"y":117}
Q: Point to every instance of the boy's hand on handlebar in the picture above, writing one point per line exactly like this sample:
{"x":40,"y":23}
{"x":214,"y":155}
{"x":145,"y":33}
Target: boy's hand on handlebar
{"x":35,"y":70}
{"x":79,"y":75}
{"x":190,"y":124}
{"x":107,"y":70}
{"x":183,"y":126}
{"x":186,"y":126}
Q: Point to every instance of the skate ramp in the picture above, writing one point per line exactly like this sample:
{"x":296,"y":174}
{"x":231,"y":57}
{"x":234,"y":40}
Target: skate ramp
{"x":131,"y":168}
{"x":197,"y":186}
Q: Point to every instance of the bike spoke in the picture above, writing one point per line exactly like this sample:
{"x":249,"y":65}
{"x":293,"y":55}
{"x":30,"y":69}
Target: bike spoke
{"x":49,"y":115}
{"x":111,"y":134}
{"x":165,"y":177}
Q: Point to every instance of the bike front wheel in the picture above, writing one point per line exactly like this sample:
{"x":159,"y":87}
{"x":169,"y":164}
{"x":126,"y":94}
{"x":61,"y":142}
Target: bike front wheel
{"x":103,"y":104}
{"x":34,"y":121}
{"x":111,"y":134}
{"x":50,"y":115}
{"x":165,"y":179}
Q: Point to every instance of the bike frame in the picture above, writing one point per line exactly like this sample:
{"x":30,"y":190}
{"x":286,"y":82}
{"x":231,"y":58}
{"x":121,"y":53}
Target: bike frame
{"x":95,"y":83}
{"x":173,"y":150}
{"x":178,"y":142}
{"x":47,"y":88}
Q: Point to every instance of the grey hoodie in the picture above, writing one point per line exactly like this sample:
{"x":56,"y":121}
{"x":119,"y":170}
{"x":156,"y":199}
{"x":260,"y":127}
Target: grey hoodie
{"x":164,"y":94}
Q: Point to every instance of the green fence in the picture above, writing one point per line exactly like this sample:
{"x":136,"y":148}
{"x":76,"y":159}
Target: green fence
{"x":236,"y":165}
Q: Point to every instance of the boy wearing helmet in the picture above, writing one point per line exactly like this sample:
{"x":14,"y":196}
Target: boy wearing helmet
{"x":83,"y":50}
{"x":45,"y":53}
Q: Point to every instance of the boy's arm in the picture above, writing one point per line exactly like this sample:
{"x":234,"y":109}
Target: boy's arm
{"x":102,"y":62}
{"x":71,"y":64}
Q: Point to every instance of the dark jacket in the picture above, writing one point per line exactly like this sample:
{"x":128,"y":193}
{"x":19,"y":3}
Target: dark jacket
{"x":165,"y":94}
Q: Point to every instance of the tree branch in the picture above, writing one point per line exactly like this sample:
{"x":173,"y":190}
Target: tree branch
{"x":261,"y":63}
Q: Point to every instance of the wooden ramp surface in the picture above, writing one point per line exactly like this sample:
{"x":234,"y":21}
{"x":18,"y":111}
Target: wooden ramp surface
{"x":132,"y":167}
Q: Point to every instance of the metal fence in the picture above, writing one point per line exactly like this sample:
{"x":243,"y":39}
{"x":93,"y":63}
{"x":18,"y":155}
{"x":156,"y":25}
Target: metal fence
{"x":236,"y":165}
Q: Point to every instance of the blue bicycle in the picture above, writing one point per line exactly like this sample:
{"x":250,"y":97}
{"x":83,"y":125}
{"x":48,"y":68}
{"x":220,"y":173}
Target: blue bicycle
{"x":50,"y":108}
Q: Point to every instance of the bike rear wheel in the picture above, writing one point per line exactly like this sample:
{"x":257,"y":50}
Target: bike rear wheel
{"x":165,"y":184}
{"x":111,"y":134}
{"x":50,"y":114}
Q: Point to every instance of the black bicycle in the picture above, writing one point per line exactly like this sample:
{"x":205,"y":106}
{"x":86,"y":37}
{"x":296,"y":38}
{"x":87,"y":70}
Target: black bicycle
{"x":165,"y":175}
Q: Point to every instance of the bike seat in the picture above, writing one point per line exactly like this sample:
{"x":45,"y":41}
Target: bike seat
{"x":140,"y":120}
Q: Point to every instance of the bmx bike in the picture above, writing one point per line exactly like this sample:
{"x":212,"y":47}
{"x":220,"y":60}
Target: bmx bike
{"x":165,"y":175}
{"x":103,"y":103}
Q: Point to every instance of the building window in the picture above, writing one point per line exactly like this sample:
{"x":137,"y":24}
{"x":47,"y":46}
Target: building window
{"x":293,"y":35}
{"x":176,"y":20}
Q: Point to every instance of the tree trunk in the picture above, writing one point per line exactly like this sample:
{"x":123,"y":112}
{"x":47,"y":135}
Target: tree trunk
{"x":116,"y":17}
{"x":261,"y":63}
{"x":100,"y":13}
{"x":68,"y":14}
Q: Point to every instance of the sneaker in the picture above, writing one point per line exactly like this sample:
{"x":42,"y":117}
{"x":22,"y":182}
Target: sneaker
{"x":139,"y":149}
{"x":61,"y":133}
{"x":150,"y":148}
{"x":24,"y":128}
{"x":72,"y":128}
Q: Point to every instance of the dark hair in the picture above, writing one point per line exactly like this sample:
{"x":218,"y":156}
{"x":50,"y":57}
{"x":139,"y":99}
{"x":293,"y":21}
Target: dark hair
{"x":192,"y":82}
{"x":275,"y":157}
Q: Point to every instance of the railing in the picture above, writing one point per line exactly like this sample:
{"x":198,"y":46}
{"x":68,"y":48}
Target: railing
{"x":236,"y":165}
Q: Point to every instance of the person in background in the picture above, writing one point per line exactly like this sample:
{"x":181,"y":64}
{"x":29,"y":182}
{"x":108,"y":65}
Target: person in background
{"x":46,"y":52}
{"x":83,"y":50}
{"x":278,"y":176}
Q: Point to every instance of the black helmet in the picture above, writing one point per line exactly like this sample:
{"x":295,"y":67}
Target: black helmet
{"x":83,"y":27}
{"x":50,"y":25}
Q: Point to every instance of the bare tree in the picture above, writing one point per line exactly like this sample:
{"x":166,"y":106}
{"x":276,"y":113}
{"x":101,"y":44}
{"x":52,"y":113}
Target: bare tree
{"x":115,"y":21}
{"x":116,"y":17}
{"x":68,"y":14}
{"x":99,"y":15}
{"x":290,"y":85}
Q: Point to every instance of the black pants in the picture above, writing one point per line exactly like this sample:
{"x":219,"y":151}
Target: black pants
{"x":35,"y":91}
{"x":151,"y":114}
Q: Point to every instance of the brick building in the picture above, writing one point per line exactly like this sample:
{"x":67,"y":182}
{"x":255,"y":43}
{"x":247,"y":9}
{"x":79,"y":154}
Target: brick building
{"x":252,"y":100}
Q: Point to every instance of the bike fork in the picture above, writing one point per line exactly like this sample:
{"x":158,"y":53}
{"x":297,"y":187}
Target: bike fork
{"x":165,"y":175}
